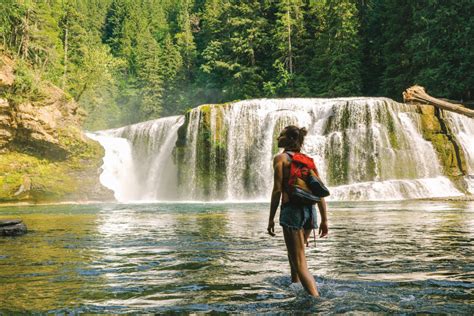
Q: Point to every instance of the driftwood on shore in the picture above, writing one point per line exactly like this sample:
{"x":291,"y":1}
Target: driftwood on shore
{"x":418,"y":94}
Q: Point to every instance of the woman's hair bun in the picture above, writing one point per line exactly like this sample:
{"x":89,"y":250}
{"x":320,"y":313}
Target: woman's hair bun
{"x":303,"y":131}
{"x":295,"y":135}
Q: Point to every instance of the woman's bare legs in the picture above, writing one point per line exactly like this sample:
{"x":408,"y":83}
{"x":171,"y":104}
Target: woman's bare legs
{"x":294,"y":273}
{"x":295,"y":244}
{"x":307,"y":232}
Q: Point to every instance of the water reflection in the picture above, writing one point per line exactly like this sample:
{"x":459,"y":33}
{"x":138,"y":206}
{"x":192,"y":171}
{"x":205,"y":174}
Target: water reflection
{"x":52,"y":252}
{"x":402,"y":257}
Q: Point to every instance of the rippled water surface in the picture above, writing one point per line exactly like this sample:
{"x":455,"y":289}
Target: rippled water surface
{"x":397,"y":257}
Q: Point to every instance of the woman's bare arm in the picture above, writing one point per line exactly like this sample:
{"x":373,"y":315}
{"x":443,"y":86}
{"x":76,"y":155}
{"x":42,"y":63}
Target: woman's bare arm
{"x":276,"y":192}
{"x":323,"y":226}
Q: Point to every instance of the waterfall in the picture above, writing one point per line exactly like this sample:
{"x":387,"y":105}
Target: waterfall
{"x":463,"y":127}
{"x":138,"y":162}
{"x":365,"y":149}
{"x":117,"y":159}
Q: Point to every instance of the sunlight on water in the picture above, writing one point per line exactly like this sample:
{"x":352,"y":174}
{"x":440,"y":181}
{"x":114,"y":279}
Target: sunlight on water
{"x":382,"y":257}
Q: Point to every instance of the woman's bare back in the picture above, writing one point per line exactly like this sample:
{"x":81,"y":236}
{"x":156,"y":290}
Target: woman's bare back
{"x":286,"y":176}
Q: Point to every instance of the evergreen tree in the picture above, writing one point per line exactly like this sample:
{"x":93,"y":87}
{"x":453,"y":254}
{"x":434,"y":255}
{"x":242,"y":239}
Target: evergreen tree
{"x":396,"y":24}
{"x":37,"y":38}
{"x":341,"y":51}
{"x":229,"y":60}
{"x":130,"y":60}
{"x":12,"y":16}
{"x":442,"y":47}
{"x":317,"y":69}
{"x":96,"y":79}
{"x":209,"y":47}
{"x":74,"y":42}
{"x":371,"y":43}
{"x":114,"y":28}
{"x":150,"y":75}
{"x":90,"y":70}
{"x":184,"y":36}
{"x":179,"y":60}
{"x":289,"y":38}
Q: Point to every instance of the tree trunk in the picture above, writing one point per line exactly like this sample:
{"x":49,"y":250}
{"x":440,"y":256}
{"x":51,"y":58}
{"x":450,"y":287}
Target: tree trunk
{"x":84,"y":88}
{"x":25,"y":40}
{"x":290,"y":54}
{"x":418,"y":94}
{"x":65,"y":56}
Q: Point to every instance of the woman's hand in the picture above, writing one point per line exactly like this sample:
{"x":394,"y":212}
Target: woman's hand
{"x":271,"y":227}
{"x":323,"y":229}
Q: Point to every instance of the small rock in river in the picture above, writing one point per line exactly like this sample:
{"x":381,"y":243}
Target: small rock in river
{"x":12,"y":227}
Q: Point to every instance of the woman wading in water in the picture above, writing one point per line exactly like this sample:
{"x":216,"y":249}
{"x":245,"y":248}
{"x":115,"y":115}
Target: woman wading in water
{"x":297,"y":220}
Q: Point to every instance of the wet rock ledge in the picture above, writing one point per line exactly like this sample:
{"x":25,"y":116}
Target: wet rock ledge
{"x":12,"y":227}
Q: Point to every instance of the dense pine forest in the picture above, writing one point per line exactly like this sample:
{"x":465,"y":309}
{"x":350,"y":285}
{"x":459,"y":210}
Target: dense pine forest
{"x":126,"y":61}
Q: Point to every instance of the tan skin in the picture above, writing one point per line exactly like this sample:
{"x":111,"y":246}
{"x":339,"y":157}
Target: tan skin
{"x":295,"y":240}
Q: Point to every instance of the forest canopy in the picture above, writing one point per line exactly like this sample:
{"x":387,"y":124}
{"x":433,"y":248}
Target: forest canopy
{"x":126,"y":61}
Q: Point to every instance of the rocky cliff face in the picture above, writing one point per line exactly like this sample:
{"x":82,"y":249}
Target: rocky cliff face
{"x":44,"y":156}
{"x":450,"y":153}
{"x":6,"y":120}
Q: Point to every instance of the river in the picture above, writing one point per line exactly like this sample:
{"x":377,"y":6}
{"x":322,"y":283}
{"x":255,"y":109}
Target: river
{"x":382,"y":257}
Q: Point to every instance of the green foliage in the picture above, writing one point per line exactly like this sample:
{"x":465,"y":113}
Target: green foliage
{"x":339,"y":51}
{"x":126,"y":61}
{"x":283,"y":78}
{"x":27,"y":84}
{"x":150,"y":76}
{"x":231,"y":65}
{"x":442,"y":47}
{"x":288,"y":39}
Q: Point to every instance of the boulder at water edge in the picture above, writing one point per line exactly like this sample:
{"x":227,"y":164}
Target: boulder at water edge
{"x":12,"y":227}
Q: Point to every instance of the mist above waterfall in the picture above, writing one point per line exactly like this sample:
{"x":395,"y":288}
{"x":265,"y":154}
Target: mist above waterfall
{"x":365,"y":149}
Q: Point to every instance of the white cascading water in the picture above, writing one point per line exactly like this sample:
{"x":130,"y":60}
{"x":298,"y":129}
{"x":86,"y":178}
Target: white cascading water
{"x":138,"y":162}
{"x":365,"y":148}
{"x":463,"y":128}
{"x":118,"y":165}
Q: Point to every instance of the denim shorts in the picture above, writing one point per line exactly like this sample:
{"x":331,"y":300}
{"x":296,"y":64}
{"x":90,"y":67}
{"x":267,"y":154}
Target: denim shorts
{"x":298,"y":216}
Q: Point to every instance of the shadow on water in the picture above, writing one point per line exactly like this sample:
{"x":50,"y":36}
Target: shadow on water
{"x":398,"y":257}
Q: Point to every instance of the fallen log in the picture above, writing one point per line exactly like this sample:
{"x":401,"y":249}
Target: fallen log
{"x":418,"y":94}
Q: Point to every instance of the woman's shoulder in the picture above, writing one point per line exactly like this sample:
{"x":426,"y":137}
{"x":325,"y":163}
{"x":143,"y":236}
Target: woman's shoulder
{"x":281,"y":157}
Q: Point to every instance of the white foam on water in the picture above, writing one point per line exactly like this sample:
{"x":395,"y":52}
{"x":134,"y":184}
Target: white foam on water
{"x":395,"y":190}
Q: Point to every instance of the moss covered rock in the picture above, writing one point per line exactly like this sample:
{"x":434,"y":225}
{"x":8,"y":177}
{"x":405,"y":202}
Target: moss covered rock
{"x":45,"y":156}
{"x":203,"y":157}
{"x":25,"y":177}
{"x":450,"y":153}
